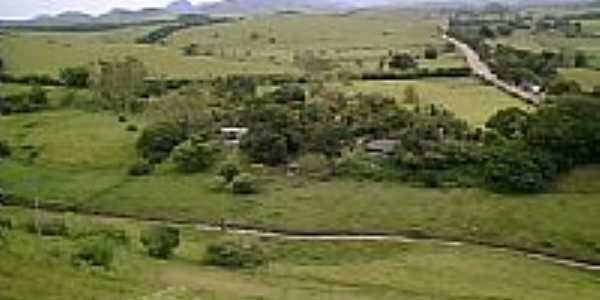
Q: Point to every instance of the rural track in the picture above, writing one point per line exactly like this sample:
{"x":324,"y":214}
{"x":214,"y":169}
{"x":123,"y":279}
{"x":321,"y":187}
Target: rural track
{"x":483,"y":71}
{"x":262,"y":233}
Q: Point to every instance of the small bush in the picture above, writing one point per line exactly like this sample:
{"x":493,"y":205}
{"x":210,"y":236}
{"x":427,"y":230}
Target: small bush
{"x":6,"y":222}
{"x":108,"y":232}
{"x":432,"y":180}
{"x":359,"y":166}
{"x":49,"y":226}
{"x":431,"y":53}
{"x":141,"y":168}
{"x":160,"y":241}
{"x":95,"y":251}
{"x":244,"y":184}
{"x":131,"y":128}
{"x":236,"y":254}
{"x":122,"y":119}
{"x":5,"y":150}
{"x":193,"y":156}
{"x":157,"y":141}
{"x":229,"y":170}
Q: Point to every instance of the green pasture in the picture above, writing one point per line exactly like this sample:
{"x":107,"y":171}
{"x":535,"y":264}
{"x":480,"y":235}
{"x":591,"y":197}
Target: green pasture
{"x":587,"y":78}
{"x":41,"y":269}
{"x":239,"y":47}
{"x":468,"y":98}
{"x":82,"y":159}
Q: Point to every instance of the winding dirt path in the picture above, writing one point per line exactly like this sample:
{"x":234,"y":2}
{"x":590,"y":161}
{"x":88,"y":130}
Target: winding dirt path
{"x":243,"y":230}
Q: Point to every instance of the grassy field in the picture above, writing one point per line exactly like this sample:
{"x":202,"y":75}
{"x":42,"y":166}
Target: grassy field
{"x":587,"y":78}
{"x":467,"y":98}
{"x":41,"y":269}
{"x":83,"y":157}
{"x":365,"y":36}
{"x":556,"y":42}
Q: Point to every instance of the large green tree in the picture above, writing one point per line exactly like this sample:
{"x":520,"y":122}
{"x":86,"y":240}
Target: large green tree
{"x":119,"y":82}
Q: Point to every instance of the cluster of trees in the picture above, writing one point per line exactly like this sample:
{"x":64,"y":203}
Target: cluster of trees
{"x":518,"y":66}
{"x":418,"y":73}
{"x":96,"y":245}
{"x":183,"y":22}
{"x":118,"y":83}
{"x":34,"y":100}
{"x":77,"y":77}
{"x":566,"y":26}
{"x":32,"y":79}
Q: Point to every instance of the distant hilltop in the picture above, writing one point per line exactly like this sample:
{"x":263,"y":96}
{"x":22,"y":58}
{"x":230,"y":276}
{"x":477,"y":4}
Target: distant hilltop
{"x":249,"y":7}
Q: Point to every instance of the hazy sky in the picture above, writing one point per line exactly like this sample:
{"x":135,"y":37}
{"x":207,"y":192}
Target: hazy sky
{"x":19,"y":9}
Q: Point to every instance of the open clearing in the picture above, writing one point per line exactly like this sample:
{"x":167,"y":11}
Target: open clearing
{"x":344,"y":39}
{"x":468,"y":98}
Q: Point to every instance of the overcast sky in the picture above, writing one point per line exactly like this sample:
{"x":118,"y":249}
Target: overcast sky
{"x":20,"y":9}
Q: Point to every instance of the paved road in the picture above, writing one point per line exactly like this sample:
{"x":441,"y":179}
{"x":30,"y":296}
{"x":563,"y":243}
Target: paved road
{"x":483,"y":71}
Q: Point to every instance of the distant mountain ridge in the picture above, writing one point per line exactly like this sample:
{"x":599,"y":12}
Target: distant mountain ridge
{"x":245,"y":7}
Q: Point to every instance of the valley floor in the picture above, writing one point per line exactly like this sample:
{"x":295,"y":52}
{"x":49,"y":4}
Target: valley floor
{"x":41,"y":269}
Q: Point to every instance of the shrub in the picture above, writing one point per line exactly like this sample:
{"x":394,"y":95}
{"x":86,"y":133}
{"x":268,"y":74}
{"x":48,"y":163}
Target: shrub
{"x":75,"y":77}
{"x":265,"y":146}
{"x":431,"y":53}
{"x":193,"y":156}
{"x":359,"y":166}
{"x":95,"y":251}
{"x":160,"y":240}
{"x":6,"y":222}
{"x":289,"y":93}
{"x":510,"y":122}
{"x":561,"y":87}
{"x":432,"y":179}
{"x":141,"y":168}
{"x":244,"y":184}
{"x":229,"y":170}
{"x":158,"y":140}
{"x":313,"y":164}
{"x":131,"y":128}
{"x":236,"y":254}
{"x":49,"y":226}
{"x":5,"y":150}
{"x":517,"y":170}
{"x":402,"y":61}
{"x":105,"y":231}
{"x":122,"y":119}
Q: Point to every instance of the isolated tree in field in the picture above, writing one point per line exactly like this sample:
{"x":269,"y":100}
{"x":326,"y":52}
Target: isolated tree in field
{"x":75,"y":77}
{"x":160,"y":240}
{"x":402,"y":61}
{"x":581,"y":60}
{"x":191,"y":49}
{"x":431,"y":53}
{"x":119,"y":82}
